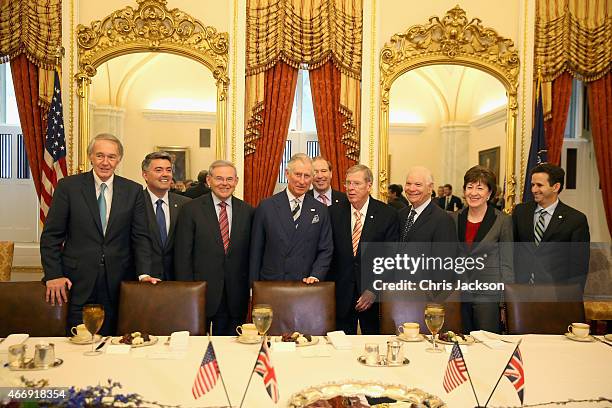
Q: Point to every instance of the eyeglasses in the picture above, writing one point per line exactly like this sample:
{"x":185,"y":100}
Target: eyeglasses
{"x":219,"y":179}
{"x":355,"y":184}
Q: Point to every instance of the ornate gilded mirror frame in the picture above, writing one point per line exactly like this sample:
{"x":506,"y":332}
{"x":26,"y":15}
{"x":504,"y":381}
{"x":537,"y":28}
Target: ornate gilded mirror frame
{"x":458,"y":41}
{"x":152,"y":27}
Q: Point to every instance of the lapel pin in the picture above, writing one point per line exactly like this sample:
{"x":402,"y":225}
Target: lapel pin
{"x":175,"y":205}
{"x":312,"y":210}
{"x":560,"y":216}
{"x":371,"y":216}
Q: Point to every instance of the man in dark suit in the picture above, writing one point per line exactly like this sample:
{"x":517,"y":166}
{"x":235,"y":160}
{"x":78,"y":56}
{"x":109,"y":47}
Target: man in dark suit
{"x":360,"y":219}
{"x":321,"y":183}
{"x":450,"y":202}
{"x":555,"y":236}
{"x":292,"y":237}
{"x":200,"y":188}
{"x":162,"y":209}
{"x":425,"y":225}
{"x":95,"y":235}
{"x":212,"y":244}
{"x":396,"y":198}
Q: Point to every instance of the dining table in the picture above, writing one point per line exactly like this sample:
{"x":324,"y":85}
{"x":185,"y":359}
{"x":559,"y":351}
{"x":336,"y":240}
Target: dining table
{"x":556,"y":369}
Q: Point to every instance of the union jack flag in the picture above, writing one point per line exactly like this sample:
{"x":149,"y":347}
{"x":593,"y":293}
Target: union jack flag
{"x":455,"y":370}
{"x":54,"y":155}
{"x":207,"y":375}
{"x":264,"y":368}
{"x":515,"y":373}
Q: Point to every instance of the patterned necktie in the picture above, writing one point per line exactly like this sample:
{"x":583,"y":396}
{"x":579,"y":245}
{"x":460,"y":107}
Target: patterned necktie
{"x":102,"y":206}
{"x":161,"y":221}
{"x":224,"y":225}
{"x":323,"y":198}
{"x":356,"y":232}
{"x":539,"y":228}
{"x":409,"y":224}
{"x":296,"y":210}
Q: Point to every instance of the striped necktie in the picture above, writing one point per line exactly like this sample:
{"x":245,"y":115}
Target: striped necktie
{"x":539,"y":228}
{"x":356,"y":232}
{"x":224,"y":225}
{"x":323,"y":198}
{"x":296,"y":210}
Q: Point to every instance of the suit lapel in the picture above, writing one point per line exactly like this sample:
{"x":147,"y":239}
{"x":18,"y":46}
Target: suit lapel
{"x":556,"y":221}
{"x":368,"y":222}
{"x":208,"y":206}
{"x":173,"y":214}
{"x":153,"y":228}
{"x":118,"y":197}
{"x":422,"y":220}
{"x":281,"y":202}
{"x":89,"y":194}
{"x":236,"y":222}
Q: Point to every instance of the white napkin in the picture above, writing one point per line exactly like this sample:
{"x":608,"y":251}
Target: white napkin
{"x":179,"y":340}
{"x":166,"y":355}
{"x":283,"y":346}
{"x":488,"y":339}
{"x":11,"y":340}
{"x":322,"y":350}
{"x":118,"y":349}
{"x":339,"y":340}
{"x":449,"y":348}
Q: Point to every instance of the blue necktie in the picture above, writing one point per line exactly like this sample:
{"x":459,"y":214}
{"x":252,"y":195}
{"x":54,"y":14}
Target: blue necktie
{"x":102,"y":206}
{"x":161,"y":221}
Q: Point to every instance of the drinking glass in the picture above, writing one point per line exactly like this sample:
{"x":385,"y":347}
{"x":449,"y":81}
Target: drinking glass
{"x":93,"y":317}
{"x":262,"y":318}
{"x":434,"y":319}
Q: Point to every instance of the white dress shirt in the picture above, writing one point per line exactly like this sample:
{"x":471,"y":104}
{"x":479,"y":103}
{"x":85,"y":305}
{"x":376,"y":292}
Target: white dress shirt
{"x":548,"y":213}
{"x":327,"y":194}
{"x":165,"y":207}
{"x":108,"y":193}
{"x":363,"y":211}
{"x":420,"y":209}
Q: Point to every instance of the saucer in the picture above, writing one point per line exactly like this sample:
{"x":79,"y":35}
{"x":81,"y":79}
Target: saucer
{"x":74,"y":340}
{"x":608,"y":337}
{"x":411,"y":339}
{"x":248,"y":340}
{"x":586,"y":339}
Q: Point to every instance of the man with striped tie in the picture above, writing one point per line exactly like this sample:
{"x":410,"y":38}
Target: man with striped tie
{"x":358,"y":220}
{"x":555,"y":236}
{"x":292,"y":238}
{"x":212,"y":243}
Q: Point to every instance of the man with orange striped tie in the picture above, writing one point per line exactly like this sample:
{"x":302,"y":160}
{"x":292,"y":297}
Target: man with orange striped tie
{"x":360,"y":219}
{"x":212,"y":244}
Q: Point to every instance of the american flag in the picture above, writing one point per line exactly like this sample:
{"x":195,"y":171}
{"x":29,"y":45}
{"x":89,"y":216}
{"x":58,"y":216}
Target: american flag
{"x":54,"y":163}
{"x":515,"y":373}
{"x":207,"y":375}
{"x":264,"y":368}
{"x":455,"y":370}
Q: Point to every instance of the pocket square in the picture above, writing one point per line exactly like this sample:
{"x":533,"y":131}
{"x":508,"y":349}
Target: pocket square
{"x":315,"y":219}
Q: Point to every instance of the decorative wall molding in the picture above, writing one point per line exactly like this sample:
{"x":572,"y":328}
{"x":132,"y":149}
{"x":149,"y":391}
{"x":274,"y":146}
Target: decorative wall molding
{"x":490,"y":118}
{"x":406,"y":129}
{"x":179,"y":116}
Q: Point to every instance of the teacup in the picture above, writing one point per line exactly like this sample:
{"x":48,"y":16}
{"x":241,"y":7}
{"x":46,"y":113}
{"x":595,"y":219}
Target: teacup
{"x":579,"y":329}
{"x":247,"y":331}
{"x":80,"y":332}
{"x":410,"y":330}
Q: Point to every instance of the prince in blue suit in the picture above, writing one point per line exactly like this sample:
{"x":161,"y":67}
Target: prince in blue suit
{"x":291,"y":234}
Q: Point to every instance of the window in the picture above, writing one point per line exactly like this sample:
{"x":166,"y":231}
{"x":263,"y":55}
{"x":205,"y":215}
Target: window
{"x":578,"y":112}
{"x":302,"y":137}
{"x":8,"y":103}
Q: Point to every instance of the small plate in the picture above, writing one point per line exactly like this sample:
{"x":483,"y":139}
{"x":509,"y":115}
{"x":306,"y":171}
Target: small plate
{"x":608,"y":337}
{"x":418,"y":338}
{"x":586,"y":339}
{"x":246,"y":340}
{"x":74,"y":340}
{"x":382,"y":362}
{"x":153,"y":340}
{"x":29,"y":365}
{"x":468,"y":340}
{"x":314,"y":340}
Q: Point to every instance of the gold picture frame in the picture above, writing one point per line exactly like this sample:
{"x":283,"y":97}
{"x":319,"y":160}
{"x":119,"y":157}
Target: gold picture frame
{"x":181,"y":161}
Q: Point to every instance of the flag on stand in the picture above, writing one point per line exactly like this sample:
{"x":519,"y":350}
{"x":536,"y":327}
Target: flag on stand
{"x":455,"y":370}
{"x":515,"y":373}
{"x":54,"y":155}
{"x":207,"y":375}
{"x":264,"y":368}
{"x":537,"y":151}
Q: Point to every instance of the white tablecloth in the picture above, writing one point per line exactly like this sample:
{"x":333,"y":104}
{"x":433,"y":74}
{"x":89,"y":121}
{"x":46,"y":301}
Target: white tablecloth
{"x":556,"y":369}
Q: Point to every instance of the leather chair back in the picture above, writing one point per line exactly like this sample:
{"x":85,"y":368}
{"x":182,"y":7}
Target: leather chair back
{"x":397,"y":309}
{"x":24,"y":310}
{"x":162,"y":308}
{"x":6,"y":260}
{"x":542,"y":317}
{"x":308,"y":309}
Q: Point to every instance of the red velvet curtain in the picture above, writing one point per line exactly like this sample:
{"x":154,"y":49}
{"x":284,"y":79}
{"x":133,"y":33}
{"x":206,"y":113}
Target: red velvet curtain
{"x":325,"y":84}
{"x":600,"y":106}
{"x":554,"y":128}
{"x":32,"y":116}
{"x":261,"y":167}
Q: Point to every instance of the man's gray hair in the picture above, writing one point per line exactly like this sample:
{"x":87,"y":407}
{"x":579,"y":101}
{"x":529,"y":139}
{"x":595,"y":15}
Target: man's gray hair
{"x":369,"y":177}
{"x":221,"y":163}
{"x":155,"y":156}
{"x":105,"y":136}
{"x":298,"y":157}
{"x":422,"y":170}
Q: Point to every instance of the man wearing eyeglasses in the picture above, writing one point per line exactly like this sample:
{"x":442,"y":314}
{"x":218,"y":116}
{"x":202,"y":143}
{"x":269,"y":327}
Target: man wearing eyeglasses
{"x":358,"y":220}
{"x":212,"y":244}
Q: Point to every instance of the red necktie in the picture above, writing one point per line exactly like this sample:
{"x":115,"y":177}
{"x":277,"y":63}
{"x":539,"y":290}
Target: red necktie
{"x":224,"y":225}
